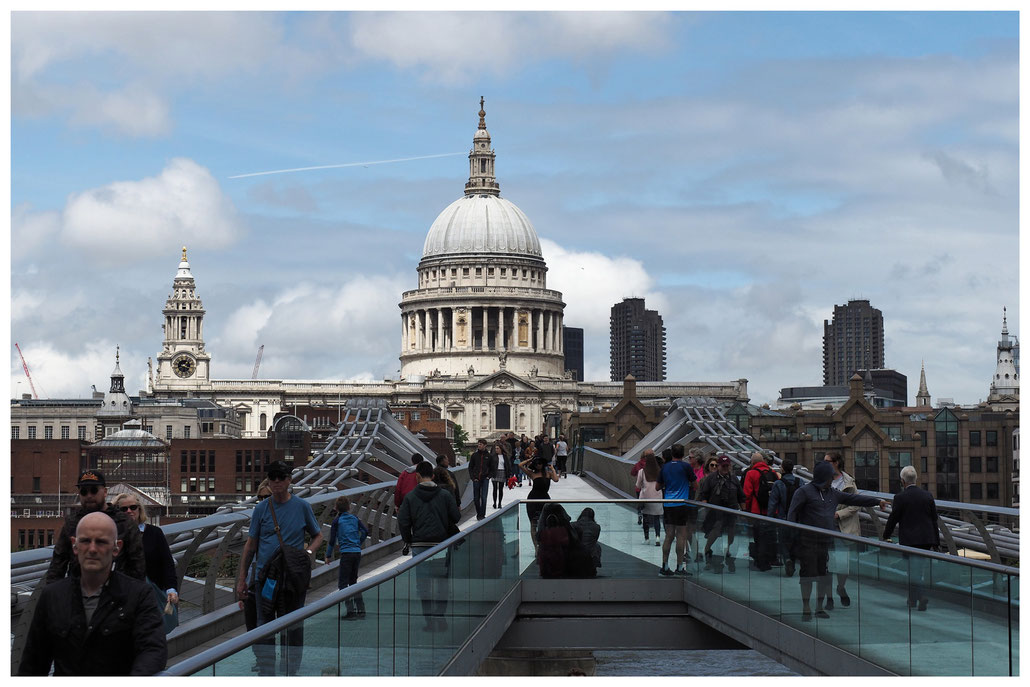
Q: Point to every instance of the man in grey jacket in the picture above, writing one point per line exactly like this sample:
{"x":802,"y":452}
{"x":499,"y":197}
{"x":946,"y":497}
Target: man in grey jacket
{"x":428,"y":516}
{"x":815,"y":504}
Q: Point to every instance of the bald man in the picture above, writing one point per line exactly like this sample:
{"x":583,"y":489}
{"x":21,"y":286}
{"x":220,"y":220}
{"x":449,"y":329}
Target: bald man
{"x":100,"y":622}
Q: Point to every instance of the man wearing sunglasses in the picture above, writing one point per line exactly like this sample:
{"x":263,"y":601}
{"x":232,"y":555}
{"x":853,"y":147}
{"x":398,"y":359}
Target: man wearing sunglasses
{"x":93,"y":499}
{"x":292,"y":517}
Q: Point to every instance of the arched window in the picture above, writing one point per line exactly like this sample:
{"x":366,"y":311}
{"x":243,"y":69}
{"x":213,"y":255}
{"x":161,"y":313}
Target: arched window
{"x":264,"y":422}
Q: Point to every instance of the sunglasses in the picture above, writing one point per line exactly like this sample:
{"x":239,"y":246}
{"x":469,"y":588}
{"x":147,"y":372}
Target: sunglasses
{"x":134,"y":506}
{"x":711,"y":465}
{"x":88,"y":490}
{"x":277,"y":477}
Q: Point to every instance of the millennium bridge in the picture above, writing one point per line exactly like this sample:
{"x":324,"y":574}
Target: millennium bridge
{"x":503,"y":618}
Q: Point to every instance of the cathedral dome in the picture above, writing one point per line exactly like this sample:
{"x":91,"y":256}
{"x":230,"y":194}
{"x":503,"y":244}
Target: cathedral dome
{"x":476,"y":224}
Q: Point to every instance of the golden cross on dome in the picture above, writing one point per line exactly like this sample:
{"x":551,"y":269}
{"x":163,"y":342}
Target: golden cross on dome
{"x":184,"y":253}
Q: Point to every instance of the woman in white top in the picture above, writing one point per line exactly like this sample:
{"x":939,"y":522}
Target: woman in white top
{"x":647,"y":483}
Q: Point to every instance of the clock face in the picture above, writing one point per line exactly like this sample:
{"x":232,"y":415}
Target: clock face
{"x":184,"y":366}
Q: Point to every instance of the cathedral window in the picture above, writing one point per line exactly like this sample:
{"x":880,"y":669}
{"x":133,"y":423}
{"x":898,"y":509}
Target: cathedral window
{"x":263,"y":422}
{"x":15,"y":432}
{"x":32,"y":432}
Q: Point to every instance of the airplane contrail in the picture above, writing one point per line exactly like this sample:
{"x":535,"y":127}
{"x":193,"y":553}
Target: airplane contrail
{"x":347,"y":164}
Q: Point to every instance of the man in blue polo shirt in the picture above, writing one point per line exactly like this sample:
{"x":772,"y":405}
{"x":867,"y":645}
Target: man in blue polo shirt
{"x":675,"y":481}
{"x":294,"y":517}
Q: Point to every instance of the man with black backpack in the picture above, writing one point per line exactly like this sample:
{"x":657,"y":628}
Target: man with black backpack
{"x":283,"y":569}
{"x":758,"y":482}
{"x":779,"y":504}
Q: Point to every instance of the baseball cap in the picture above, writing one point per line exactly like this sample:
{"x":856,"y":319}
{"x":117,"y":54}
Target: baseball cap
{"x":88,"y":477}
{"x":723,"y":459}
{"x":278,"y":467}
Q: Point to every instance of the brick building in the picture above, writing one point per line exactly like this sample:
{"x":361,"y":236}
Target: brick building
{"x":961,"y":453}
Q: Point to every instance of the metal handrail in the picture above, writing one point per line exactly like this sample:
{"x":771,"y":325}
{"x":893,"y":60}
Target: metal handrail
{"x":211,"y":656}
{"x":236,"y":644}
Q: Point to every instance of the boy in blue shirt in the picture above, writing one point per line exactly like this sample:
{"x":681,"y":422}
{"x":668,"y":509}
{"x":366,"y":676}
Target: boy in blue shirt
{"x":346,"y":534}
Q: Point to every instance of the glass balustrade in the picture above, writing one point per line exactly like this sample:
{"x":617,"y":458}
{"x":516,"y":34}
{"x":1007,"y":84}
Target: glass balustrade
{"x":416,"y":620}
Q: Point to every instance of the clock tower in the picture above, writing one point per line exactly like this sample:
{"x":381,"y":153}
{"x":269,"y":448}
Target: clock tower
{"x":183,"y":364}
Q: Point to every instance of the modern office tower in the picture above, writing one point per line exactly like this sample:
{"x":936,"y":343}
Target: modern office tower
{"x":572,"y":338}
{"x":853,"y":341}
{"x":637,"y":342}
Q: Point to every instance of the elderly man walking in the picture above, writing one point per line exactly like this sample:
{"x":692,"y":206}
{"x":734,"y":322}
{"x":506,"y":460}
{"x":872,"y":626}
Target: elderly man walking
{"x":98,"y":621}
{"x":915,"y":512}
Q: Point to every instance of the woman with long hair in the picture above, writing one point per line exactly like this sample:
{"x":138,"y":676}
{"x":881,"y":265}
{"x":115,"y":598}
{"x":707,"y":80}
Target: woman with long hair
{"x":647,"y":483}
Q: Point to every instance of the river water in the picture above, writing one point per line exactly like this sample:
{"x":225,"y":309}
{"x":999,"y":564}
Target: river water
{"x":712,"y":662}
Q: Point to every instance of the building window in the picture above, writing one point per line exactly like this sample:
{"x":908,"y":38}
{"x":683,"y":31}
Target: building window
{"x":48,"y":432}
{"x":15,"y":432}
{"x":239,"y":461}
{"x":975,"y":464}
{"x":946,"y":430}
{"x":416,"y":416}
{"x":867,"y":470}
{"x":182,"y":461}
{"x":36,"y":487}
{"x":820,"y":433}
{"x":193,"y":484}
{"x":168,"y":431}
{"x":922,"y":438}
{"x":149,"y":429}
{"x":263,"y":422}
{"x":893,"y":432}
{"x":976,"y":491}
{"x":66,"y":432}
{"x":992,"y":491}
{"x":239,"y":484}
{"x":182,"y":485}
{"x":32,"y":432}
{"x":210,"y":483}
{"x":992,"y":464}
{"x":992,"y":440}
{"x":895,"y":461}
{"x":186,"y":432}
{"x":203,"y":461}
{"x":974,"y":437}
{"x":193,"y":461}
{"x":82,"y":433}
{"x":211,"y":461}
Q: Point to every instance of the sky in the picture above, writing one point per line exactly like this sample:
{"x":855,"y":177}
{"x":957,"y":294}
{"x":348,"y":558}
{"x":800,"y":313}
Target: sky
{"x":743,"y":172}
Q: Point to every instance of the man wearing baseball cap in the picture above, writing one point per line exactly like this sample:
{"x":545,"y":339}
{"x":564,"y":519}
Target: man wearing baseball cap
{"x":92,"y":499}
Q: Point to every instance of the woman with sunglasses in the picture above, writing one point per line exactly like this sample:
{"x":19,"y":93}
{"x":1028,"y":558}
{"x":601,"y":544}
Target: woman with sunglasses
{"x":157,"y":556}
{"x":710,"y":466}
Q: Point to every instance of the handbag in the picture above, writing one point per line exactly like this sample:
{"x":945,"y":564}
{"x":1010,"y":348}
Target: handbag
{"x":287,"y":574}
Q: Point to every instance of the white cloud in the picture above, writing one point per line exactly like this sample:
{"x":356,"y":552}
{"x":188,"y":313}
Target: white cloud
{"x":452,"y":47}
{"x":182,"y":205}
{"x":59,"y":374}
{"x":333,"y":332}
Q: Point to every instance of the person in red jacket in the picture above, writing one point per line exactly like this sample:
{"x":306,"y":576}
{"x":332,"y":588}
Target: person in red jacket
{"x":756,"y":500}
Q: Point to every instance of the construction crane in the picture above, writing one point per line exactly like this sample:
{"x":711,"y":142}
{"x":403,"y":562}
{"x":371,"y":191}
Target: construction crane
{"x":257,"y":363}
{"x":25,"y":366}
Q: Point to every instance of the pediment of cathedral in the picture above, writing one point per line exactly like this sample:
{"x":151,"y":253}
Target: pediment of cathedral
{"x":502,"y":381}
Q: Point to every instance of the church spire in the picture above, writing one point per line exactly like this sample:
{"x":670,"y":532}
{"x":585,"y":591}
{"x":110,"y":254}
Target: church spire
{"x":481,"y":160}
{"x":923,"y":395}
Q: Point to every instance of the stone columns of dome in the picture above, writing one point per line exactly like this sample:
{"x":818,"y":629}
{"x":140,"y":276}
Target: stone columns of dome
{"x":404,"y":332}
{"x":540,"y":330}
{"x":454,"y":328}
{"x":423,"y":328}
{"x":561,"y":333}
{"x":439,"y":329}
{"x":557,"y":333}
{"x":486,"y":328}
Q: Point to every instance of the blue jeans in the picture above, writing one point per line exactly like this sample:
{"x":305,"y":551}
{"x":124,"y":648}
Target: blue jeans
{"x":348,"y":576}
{"x":653,"y":521}
{"x":479,"y":491}
{"x":291,"y":641}
{"x":432,"y":583}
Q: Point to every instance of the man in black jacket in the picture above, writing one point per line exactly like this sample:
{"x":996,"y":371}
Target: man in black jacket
{"x":481,"y":469}
{"x":915,"y":512}
{"x":98,"y":622}
{"x":93,"y":498}
{"x":428,"y":516}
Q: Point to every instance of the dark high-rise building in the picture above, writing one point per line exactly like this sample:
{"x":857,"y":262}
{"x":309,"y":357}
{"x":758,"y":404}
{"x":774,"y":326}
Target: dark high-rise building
{"x":572,"y":344}
{"x":637,"y":342}
{"x":853,"y":341}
